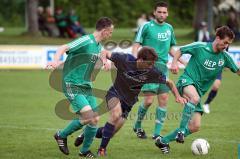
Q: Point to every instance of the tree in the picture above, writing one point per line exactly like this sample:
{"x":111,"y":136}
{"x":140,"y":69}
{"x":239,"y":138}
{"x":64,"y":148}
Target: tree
{"x":200,"y":13}
{"x":32,"y":17}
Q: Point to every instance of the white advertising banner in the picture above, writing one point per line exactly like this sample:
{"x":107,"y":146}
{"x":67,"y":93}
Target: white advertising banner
{"x":22,"y":57}
{"x":37,"y":56}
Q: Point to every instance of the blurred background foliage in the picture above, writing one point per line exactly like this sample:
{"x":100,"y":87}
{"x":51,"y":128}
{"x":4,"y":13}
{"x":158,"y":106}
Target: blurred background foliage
{"x":124,"y":12}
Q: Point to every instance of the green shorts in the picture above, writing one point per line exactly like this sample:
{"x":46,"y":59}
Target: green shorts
{"x":79,"y":96}
{"x":184,"y":81}
{"x":155,"y":87}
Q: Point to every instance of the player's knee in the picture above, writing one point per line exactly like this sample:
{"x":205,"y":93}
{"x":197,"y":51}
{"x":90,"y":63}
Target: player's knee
{"x":115,"y":117}
{"x":163,"y":100}
{"x":195,"y":100}
{"x":95,"y":120}
{"x":163,"y":97}
{"x":216,"y":87}
{"x":148,"y":102}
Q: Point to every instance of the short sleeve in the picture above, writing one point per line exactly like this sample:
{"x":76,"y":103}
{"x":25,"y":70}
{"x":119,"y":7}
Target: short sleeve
{"x":141,"y":33}
{"x":190,"y":48}
{"x":230,"y":63}
{"x":173,"y":38}
{"x":78,"y":43}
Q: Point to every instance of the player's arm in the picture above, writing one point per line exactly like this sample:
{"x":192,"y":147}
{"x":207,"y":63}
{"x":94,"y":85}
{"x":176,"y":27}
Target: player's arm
{"x":105,"y":56}
{"x":172,"y":53}
{"x":174,"y":67}
{"x":139,"y":40}
{"x":175,"y":92}
{"x":173,"y":43}
{"x":232,"y":65}
{"x":158,"y":77}
{"x":56,"y":59}
{"x":135,"y":49}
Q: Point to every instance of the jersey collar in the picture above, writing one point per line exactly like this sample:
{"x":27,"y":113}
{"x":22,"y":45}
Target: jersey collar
{"x":158,"y":23}
{"x":211,"y":47}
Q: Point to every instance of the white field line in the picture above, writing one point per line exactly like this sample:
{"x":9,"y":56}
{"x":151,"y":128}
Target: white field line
{"x":26,"y":128}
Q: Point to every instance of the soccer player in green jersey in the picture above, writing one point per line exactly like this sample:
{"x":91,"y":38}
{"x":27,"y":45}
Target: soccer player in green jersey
{"x":159,"y":35}
{"x":206,"y":62}
{"x":77,"y":85}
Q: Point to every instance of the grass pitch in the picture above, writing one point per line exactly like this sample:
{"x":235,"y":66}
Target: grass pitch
{"x":28,"y":122}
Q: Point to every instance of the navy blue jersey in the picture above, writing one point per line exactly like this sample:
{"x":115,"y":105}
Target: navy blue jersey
{"x":129,"y":79}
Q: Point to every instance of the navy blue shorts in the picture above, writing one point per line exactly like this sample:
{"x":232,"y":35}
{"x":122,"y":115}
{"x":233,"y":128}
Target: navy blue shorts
{"x":219,"y":77}
{"x":125,"y":107}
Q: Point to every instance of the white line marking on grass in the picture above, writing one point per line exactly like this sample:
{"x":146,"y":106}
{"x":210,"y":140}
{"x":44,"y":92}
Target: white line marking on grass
{"x":26,"y":128}
{"x":224,"y":141}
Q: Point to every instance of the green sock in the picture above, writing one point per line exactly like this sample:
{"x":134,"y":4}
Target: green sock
{"x":186,"y":115}
{"x":141,"y":113}
{"x":170,"y":137}
{"x":73,"y":126}
{"x":186,"y":132}
{"x":89,"y":134}
{"x":160,"y":118}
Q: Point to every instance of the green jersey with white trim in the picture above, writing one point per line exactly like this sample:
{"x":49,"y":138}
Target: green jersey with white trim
{"x":158,"y":36}
{"x":82,"y":57}
{"x":205,"y":64}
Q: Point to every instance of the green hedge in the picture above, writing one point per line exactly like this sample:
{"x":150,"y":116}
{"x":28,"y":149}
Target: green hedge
{"x":123,"y":12}
{"x":126,"y":12}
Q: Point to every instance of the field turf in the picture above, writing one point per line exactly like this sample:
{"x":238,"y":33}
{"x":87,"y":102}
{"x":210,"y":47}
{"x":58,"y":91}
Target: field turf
{"x":28,"y":122}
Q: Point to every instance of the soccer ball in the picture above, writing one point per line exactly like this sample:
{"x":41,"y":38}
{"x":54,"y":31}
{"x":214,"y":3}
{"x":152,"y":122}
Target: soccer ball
{"x":200,"y":147}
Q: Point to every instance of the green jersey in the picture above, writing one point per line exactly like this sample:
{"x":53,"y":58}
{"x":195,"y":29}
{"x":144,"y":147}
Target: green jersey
{"x":158,"y":36}
{"x":81,"y":59}
{"x":61,"y":20}
{"x":205,"y":64}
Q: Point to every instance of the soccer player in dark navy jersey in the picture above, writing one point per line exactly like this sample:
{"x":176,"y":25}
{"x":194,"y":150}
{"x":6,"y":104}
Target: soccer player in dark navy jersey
{"x":132,"y":74}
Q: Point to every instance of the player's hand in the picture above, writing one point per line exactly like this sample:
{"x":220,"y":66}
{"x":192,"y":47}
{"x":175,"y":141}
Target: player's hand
{"x":181,"y":100}
{"x":53,"y":64}
{"x":107,"y":65}
{"x":174,"y":68}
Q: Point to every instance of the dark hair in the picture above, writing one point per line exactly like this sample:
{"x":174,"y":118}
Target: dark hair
{"x":224,"y":31}
{"x":147,"y":54}
{"x":161,"y":4}
{"x":103,"y":23}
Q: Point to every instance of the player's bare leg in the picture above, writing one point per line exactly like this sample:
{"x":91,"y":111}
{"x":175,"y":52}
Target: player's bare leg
{"x":212,"y":94}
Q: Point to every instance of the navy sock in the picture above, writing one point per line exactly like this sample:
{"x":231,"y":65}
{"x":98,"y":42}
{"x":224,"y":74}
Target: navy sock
{"x":211,"y":96}
{"x":108,"y":131}
{"x":99,"y":132}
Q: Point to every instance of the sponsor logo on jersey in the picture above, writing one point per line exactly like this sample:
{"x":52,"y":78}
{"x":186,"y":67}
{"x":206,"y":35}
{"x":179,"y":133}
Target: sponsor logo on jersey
{"x":220,"y":62}
{"x":210,"y":65}
{"x":164,"y":36}
{"x":184,"y":80}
